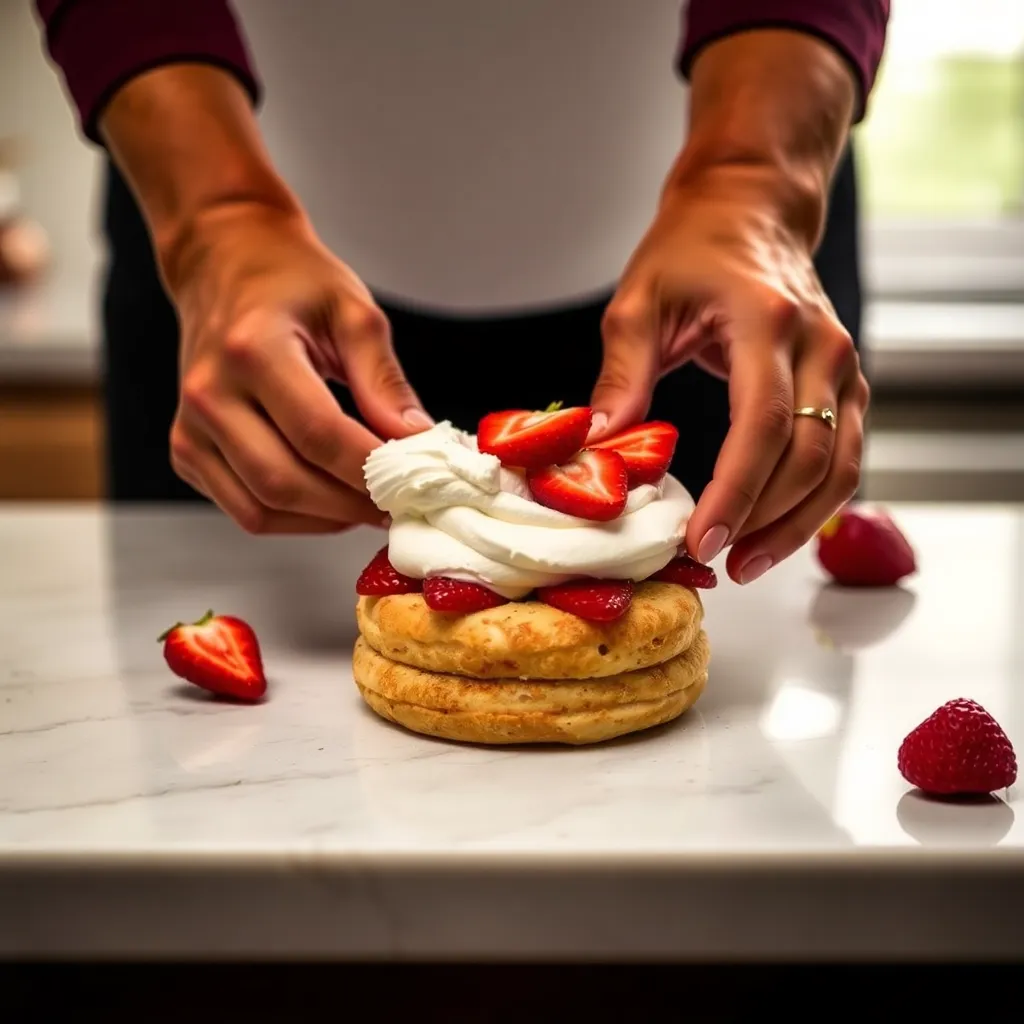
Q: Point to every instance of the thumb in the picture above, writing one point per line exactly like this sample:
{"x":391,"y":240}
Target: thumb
{"x":378,"y":384}
{"x":629,"y":370}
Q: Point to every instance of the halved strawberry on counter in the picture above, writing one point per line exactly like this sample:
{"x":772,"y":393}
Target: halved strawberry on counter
{"x":591,"y":485}
{"x":381,"y":579}
{"x":594,"y":600}
{"x":443,"y":594}
{"x":687,"y":572}
{"x":647,"y":450}
{"x":218,"y":653}
{"x":530,"y":440}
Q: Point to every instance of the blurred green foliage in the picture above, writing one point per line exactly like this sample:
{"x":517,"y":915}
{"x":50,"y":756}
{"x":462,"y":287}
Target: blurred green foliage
{"x":946,"y":141}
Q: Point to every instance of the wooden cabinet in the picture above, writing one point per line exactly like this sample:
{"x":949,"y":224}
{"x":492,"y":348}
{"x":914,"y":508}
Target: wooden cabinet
{"x":50,"y":443}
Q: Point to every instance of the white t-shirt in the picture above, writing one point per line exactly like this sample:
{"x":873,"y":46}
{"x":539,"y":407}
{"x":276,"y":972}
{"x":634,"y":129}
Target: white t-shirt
{"x":473,"y":155}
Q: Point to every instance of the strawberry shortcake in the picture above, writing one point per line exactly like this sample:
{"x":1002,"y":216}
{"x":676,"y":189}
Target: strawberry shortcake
{"x":534,"y":588}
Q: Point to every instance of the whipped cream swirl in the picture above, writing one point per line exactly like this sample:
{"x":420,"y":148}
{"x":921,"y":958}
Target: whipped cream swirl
{"x":458,"y":512}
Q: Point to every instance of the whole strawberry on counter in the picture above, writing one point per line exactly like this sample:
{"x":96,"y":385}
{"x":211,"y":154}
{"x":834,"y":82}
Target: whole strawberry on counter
{"x":861,"y":546}
{"x":960,"y":749}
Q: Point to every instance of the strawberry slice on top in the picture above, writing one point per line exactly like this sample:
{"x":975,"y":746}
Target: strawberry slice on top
{"x":647,"y":450}
{"x":591,"y":485}
{"x":530,"y":440}
{"x":593,"y":600}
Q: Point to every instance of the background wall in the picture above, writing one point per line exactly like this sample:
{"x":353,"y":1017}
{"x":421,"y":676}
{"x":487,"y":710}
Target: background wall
{"x":942,"y":160}
{"x":611,"y":71}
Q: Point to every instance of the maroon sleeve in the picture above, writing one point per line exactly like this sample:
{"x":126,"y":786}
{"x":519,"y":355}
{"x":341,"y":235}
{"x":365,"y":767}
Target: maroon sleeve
{"x":856,"y":28}
{"x":101,"y":44}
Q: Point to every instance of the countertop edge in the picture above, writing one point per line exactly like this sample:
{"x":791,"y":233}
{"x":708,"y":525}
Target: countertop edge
{"x":836,"y":861}
{"x":364,"y":913}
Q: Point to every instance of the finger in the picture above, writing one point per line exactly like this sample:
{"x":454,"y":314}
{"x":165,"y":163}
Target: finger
{"x":713,"y":359}
{"x":279,"y":375}
{"x":761,"y":411}
{"x":826,"y":364}
{"x":276,"y":476}
{"x":630,"y":365}
{"x":756,"y":554}
{"x":193,"y":481}
{"x":375,"y":377}
{"x":211,"y":475}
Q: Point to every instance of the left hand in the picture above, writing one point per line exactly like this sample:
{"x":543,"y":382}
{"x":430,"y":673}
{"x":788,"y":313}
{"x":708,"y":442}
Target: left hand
{"x":724,"y":277}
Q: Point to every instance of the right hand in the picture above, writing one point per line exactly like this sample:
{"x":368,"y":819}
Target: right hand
{"x":267,"y":314}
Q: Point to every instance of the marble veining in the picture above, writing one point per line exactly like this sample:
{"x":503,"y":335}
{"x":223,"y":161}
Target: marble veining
{"x":791,"y":754}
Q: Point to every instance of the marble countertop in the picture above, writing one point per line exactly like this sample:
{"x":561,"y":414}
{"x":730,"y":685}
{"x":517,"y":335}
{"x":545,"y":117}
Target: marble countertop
{"x":138,"y":816}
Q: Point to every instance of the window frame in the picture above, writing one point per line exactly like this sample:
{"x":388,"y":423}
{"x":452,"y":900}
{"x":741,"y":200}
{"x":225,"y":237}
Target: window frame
{"x":943,"y":260}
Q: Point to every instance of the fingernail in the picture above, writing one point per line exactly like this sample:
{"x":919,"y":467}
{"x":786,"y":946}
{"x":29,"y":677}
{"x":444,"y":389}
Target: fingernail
{"x":598,"y":422}
{"x":712,"y":542}
{"x":417,"y":419}
{"x":755,"y":568}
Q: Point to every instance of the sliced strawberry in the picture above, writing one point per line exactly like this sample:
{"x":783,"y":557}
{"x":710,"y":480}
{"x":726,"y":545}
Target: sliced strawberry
{"x":380,"y":578}
{"x":531,"y":440}
{"x":647,"y":450}
{"x":444,"y":594}
{"x":687,"y":572}
{"x":591,"y":485}
{"x":594,"y":600}
{"x":218,"y":653}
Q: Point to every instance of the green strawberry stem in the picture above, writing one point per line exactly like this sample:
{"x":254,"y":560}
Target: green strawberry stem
{"x":554,"y":407}
{"x":199,"y":622}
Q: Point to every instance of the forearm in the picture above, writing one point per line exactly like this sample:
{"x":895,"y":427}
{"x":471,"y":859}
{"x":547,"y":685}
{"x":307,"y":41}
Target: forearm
{"x":187,"y":141}
{"x":98,"y":45}
{"x":855,"y":28}
{"x":773,"y":107}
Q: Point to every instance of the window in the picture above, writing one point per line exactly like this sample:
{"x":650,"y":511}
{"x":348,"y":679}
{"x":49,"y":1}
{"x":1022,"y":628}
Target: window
{"x":941,"y":153}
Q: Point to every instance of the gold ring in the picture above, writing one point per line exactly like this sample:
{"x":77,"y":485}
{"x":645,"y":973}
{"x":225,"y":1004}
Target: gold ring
{"x":826,"y":415}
